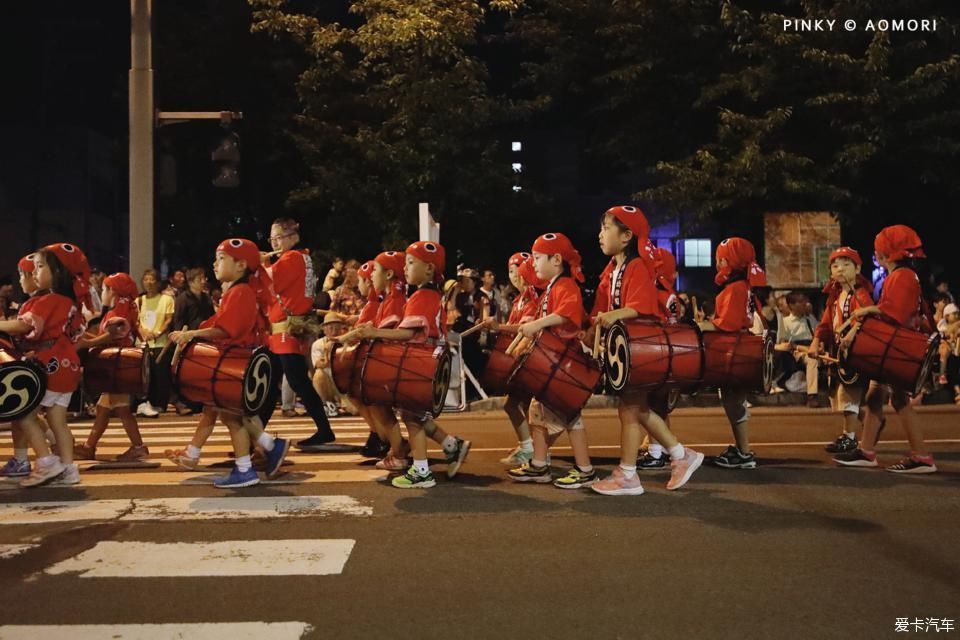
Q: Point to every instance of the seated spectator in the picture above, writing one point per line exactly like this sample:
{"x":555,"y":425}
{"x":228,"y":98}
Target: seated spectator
{"x":797,"y":330}
{"x":949,"y":328}
{"x":334,"y":277}
{"x":334,"y":325}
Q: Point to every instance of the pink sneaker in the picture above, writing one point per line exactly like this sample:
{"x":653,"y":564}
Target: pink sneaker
{"x":393,"y":463}
{"x":682,"y":469}
{"x":617,"y":485}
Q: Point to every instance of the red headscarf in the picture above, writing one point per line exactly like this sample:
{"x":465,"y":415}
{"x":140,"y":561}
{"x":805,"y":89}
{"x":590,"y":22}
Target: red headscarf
{"x":633,"y":219}
{"x":124,"y":309}
{"x":557,"y":243}
{"x":393,"y":261}
{"x":431,"y":253}
{"x":740,"y":256}
{"x":833,"y":288}
{"x":517,"y":259}
{"x":665,"y":266}
{"x":75,"y":261}
{"x":26,"y":264}
{"x":246,"y":250}
{"x":529,"y":274}
{"x":899,"y":242}
{"x":366,"y":270}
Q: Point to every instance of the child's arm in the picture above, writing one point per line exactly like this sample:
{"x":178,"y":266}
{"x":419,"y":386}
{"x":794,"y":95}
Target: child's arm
{"x":607,"y":318}
{"x":369,"y":331}
{"x":89,"y":343}
{"x":15,"y":327}
{"x":530,"y":329}
{"x":210,"y":333}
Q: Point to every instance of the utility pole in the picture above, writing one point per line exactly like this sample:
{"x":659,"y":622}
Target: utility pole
{"x":141,"y":115}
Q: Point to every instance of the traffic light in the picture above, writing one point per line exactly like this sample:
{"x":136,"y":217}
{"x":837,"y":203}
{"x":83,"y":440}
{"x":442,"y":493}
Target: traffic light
{"x":227,"y":159}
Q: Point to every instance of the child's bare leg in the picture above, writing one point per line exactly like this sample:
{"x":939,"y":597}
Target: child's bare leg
{"x":388,"y":428}
{"x":130,"y":425}
{"x":418,"y":439}
{"x":205,"y":425}
{"x":33,"y":432}
{"x":57,"y":419}
{"x":908,"y":418}
{"x":239,"y":436}
{"x":100,"y":424}
{"x":581,"y":451}
{"x":540,"y":446}
{"x":512,"y":407}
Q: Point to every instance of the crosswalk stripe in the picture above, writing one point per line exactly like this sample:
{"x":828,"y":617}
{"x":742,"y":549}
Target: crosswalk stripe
{"x":113,"y":559}
{"x":179,"y":509}
{"x":129,"y":478}
{"x":181,"y":631}
{"x":11,"y":550}
{"x":217,"y":454}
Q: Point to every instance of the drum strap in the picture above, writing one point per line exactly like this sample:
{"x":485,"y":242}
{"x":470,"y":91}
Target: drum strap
{"x":546,"y":299}
{"x":616,"y":285}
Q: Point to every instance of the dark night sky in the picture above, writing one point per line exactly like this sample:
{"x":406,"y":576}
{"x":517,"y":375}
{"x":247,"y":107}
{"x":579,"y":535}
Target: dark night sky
{"x":65,"y":63}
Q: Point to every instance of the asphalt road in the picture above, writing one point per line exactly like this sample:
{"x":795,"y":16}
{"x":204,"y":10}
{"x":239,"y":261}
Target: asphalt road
{"x":794,"y":549}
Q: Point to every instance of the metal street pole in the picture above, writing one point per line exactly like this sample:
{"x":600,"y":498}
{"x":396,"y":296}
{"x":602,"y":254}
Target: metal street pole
{"x":141,"y":138}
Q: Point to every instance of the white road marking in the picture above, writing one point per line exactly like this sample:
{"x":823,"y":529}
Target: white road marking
{"x":242,"y":508}
{"x":111,"y":559}
{"x":10,"y":550}
{"x":177,"y":631}
{"x":160,"y":509}
{"x":61,"y":511}
{"x":132,"y":478}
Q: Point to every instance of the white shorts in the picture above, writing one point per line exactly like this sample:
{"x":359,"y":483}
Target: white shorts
{"x":540,"y":415}
{"x":56,"y":399}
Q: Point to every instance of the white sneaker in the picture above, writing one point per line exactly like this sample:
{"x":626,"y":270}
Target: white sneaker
{"x":43,"y":474}
{"x":70,"y":476}
{"x":147,"y":411}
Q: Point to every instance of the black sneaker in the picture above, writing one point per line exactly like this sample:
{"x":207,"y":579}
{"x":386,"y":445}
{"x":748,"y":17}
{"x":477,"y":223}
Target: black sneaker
{"x":842,"y":444}
{"x":456,"y":457}
{"x":316,"y":442}
{"x":733,"y":458}
{"x":855,"y":458}
{"x":375,"y":447}
{"x":913,"y":465}
{"x":647,"y":462}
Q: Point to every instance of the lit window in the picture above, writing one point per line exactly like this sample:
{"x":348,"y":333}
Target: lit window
{"x":517,"y":188}
{"x":696,"y":253}
{"x":517,"y":167}
{"x":516,"y":146}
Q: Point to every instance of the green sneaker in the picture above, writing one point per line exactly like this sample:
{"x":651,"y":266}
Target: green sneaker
{"x":456,"y":457}
{"x":576,"y":479}
{"x":413,"y":480}
{"x":517,"y":457}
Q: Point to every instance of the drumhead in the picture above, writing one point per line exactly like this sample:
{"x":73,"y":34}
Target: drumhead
{"x":22,"y":386}
{"x":616,"y":360}
{"x":768,"y":362}
{"x":930,"y":359}
{"x":258,"y":379}
{"x":441,"y":382}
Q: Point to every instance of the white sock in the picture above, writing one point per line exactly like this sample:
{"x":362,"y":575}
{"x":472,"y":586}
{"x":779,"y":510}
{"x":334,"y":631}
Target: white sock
{"x":677,"y":452}
{"x":244,"y":464}
{"x":850,"y":434}
{"x":539,"y":464}
{"x":586,"y":468}
{"x":50,"y":436}
{"x":655,"y":450}
{"x":526,"y":445}
{"x":265,"y":440}
{"x":628,"y":470}
{"x":449,"y":444}
{"x":422,"y":466}
{"x":22,"y":455}
{"x":193,"y":452}
{"x":48,"y":461}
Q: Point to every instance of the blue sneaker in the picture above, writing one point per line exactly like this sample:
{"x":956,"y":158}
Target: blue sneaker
{"x":15,"y":469}
{"x":237,"y":479}
{"x":275,"y":457}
